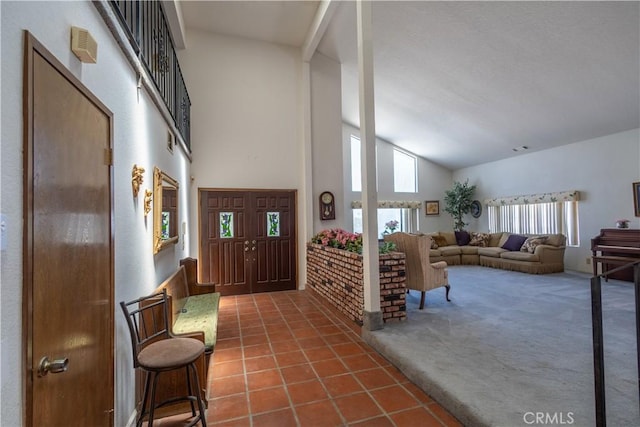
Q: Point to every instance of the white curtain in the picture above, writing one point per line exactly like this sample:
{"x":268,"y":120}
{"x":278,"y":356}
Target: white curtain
{"x":536,"y":218}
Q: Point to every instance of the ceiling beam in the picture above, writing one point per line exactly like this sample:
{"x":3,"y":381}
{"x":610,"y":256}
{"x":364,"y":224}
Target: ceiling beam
{"x":325,"y":12}
{"x":173,"y":12}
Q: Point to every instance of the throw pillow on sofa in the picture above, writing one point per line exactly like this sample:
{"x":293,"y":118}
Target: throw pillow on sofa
{"x":440,"y":241}
{"x":462,"y":238}
{"x":532,"y":242}
{"x":514,"y":242}
{"x":479,"y":239}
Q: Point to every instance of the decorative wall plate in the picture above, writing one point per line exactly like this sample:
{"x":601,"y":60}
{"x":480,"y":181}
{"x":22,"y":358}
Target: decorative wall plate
{"x":476,"y":209}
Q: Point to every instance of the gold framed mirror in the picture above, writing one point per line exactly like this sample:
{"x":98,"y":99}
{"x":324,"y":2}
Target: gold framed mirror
{"x":165,"y":210}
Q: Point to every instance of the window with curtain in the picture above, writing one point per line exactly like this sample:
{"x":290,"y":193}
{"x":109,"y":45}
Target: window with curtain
{"x":537,"y":218}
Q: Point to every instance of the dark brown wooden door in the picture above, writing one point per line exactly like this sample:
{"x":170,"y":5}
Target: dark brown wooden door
{"x":68,"y":257}
{"x":248,"y":240}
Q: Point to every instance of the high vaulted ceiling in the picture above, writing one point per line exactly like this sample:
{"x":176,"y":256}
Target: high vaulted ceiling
{"x":463,"y":83}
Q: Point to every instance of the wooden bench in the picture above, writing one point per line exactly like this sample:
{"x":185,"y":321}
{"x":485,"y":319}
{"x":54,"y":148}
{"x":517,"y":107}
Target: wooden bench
{"x":193,"y":313}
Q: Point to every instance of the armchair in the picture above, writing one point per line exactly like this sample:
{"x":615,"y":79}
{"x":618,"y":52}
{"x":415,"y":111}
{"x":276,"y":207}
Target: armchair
{"x":422,"y":275}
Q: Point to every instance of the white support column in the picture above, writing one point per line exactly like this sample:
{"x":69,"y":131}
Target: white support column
{"x":372,"y":313}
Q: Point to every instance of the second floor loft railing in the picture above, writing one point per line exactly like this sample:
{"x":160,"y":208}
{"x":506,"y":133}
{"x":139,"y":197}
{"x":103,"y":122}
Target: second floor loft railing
{"x":146,"y":27}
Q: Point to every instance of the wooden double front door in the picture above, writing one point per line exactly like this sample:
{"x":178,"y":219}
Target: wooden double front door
{"x":248,"y":240}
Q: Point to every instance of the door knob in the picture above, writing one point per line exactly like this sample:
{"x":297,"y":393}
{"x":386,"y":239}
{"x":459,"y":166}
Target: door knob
{"x":55,"y":367}
{"x":253,"y":242}
{"x":246,"y":242}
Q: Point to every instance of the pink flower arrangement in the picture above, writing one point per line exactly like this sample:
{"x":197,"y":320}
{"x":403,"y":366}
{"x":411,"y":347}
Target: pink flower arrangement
{"x":346,"y":240}
{"x":339,"y":239}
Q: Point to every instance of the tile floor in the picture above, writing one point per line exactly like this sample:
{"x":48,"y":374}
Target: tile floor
{"x":289,"y":359}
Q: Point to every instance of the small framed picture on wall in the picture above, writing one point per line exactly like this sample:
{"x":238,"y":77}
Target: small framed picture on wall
{"x":432,"y":207}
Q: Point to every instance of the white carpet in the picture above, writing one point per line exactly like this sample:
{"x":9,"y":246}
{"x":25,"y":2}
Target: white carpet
{"x":514,"y":349}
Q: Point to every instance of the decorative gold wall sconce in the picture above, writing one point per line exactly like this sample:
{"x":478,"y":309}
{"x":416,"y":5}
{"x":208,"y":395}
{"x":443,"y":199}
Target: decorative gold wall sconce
{"x":136,"y":179}
{"x":148,"y":197}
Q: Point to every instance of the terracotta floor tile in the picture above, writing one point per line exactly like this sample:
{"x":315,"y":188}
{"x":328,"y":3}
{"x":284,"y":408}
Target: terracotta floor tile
{"x":443,"y":415}
{"x":319,"y":319}
{"x":381,"y":360}
{"x":394,"y":398}
{"x":328,"y":329}
{"x":272,"y":319}
{"x":309,"y":332}
{"x":238,"y":422}
{"x":307,"y":343}
{"x":228,"y":333}
{"x":347,"y":349}
{"x":252,"y":330}
{"x":319,"y":353}
{"x":268,"y":399}
{"x":225,"y":355}
{"x":306,"y":392}
{"x":359,"y":362}
{"x":257,"y":350}
{"x":341,"y":385}
{"x":298,"y":373}
{"x":264,"y":379}
{"x":414,"y":418}
{"x":300,"y":324}
{"x":281,"y":335}
{"x":375,"y":378}
{"x":284,"y":346}
{"x":225,"y":408}
{"x":286,"y":349}
{"x":227,"y":343}
{"x":289,"y":359}
{"x":396,"y":374}
{"x":255,"y":339}
{"x":418,"y":393}
{"x":382,"y":421}
{"x":227,"y":369}
{"x":329,"y":367}
{"x":226,"y":386}
{"x":259,"y":363}
{"x":341,"y":338}
{"x":357,"y":407}
{"x":281,"y":418}
{"x":318,"y":414}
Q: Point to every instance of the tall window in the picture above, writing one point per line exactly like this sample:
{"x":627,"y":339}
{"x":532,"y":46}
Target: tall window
{"x":407,"y":219}
{"x":356,"y":166}
{"x":537,"y":218}
{"x":404,"y":172}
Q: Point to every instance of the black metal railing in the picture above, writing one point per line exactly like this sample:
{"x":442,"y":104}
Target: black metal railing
{"x":598,"y":341}
{"x":149,"y":35}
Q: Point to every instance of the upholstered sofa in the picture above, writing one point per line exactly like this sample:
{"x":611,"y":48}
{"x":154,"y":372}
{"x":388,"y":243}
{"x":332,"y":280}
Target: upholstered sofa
{"x":540,"y":254}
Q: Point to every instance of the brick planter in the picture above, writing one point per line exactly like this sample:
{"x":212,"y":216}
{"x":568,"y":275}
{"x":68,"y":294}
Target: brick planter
{"x":337,"y":276}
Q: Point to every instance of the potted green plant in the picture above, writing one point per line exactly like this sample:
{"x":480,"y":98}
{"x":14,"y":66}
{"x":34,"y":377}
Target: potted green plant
{"x":458,"y":202}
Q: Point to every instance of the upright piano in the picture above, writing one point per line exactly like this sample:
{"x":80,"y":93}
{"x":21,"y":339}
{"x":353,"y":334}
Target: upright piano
{"x":614,"y":247}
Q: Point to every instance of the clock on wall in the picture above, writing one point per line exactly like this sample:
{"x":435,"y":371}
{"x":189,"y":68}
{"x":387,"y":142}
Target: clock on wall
{"x":327,"y":206}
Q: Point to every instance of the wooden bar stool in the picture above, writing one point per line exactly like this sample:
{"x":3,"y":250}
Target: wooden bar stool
{"x":157,"y":350}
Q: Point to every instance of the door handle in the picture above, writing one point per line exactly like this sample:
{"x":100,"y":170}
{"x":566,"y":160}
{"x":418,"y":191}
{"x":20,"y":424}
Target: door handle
{"x":252,"y":242}
{"x":55,"y":367}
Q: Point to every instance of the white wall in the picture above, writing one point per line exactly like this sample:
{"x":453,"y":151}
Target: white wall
{"x":246,"y":118}
{"x":602,"y":169}
{"x":326,"y":131}
{"x":433,"y":180}
{"x":139,"y":137}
